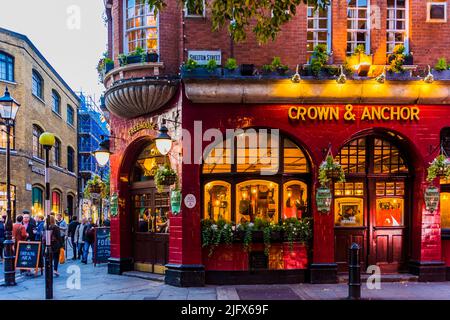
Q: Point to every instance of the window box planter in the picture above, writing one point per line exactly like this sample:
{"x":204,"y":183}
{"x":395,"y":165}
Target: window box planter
{"x":200,"y":72}
{"x":134,"y":59}
{"x":441,"y":75}
{"x":227,"y":73}
{"x":405,"y":75}
{"x":247,"y":69}
{"x":152,"y":57}
{"x":109,"y":66}
{"x":258,"y":237}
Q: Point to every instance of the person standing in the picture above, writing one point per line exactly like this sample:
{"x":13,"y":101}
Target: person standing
{"x":39,"y":227}
{"x":71,"y":234}
{"x":19,"y":233}
{"x":57,"y":242}
{"x":79,"y":236}
{"x":88,"y":238}
{"x":2,"y":234}
{"x":30,"y":226}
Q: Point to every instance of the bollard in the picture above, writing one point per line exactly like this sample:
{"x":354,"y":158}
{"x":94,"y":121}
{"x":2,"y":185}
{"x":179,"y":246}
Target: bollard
{"x":354,"y":273}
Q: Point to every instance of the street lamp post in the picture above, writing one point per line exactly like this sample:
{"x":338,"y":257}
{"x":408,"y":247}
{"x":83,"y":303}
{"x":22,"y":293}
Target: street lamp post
{"x":8,"y":112}
{"x":47,"y":140}
{"x":102,"y":157}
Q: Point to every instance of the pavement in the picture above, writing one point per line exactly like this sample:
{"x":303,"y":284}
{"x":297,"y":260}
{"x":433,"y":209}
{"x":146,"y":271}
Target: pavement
{"x":86,"y":282}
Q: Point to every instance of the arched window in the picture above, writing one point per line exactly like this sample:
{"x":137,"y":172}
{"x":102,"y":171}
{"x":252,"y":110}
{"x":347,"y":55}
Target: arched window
{"x":6,"y":67}
{"x":147,"y":163}
{"x":38,"y":150}
{"x":70,"y":205}
{"x":70,"y":159}
{"x":56,"y":202}
{"x":70,"y":115}
{"x":57,"y":153}
{"x":37,"y":200}
{"x":3,"y":198}
{"x":56,"y":102}
{"x":244,"y":176}
{"x":37,"y":85}
{"x":141,"y":28}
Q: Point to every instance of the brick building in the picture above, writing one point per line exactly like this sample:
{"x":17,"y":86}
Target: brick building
{"x":383,"y":128}
{"x":47,"y":104}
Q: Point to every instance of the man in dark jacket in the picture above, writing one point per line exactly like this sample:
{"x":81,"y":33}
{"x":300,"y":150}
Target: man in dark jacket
{"x":71,"y":233}
{"x":30,"y":226}
{"x":88,"y":238}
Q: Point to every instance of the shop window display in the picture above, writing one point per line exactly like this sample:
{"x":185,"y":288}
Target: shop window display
{"x":349,"y":212}
{"x":295,"y":195}
{"x":445,"y":210}
{"x":217,"y":200}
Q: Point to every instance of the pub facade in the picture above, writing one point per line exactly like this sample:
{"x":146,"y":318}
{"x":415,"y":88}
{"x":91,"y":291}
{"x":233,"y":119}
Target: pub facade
{"x":248,"y":147}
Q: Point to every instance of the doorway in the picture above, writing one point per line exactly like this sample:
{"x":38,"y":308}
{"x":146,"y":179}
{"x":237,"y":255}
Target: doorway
{"x":149,"y":213}
{"x":371,"y":208}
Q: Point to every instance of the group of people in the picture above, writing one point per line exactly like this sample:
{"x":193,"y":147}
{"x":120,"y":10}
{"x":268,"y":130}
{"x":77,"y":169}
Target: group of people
{"x":28,"y":228}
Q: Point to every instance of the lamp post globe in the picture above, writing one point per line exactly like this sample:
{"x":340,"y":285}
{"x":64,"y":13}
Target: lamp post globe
{"x":163,"y":141}
{"x":47,"y":140}
{"x":8,"y":111}
{"x":102,"y":154}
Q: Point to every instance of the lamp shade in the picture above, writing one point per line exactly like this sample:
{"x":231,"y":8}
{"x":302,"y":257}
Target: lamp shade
{"x":163,"y":141}
{"x":102,"y":154}
{"x":8,"y":106}
{"x":47,"y":139}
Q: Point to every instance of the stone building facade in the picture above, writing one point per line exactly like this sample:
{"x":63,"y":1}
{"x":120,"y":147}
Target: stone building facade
{"x":48,"y":104}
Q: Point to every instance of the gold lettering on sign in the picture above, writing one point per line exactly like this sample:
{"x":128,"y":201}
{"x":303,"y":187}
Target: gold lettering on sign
{"x":369,"y":113}
{"x":142,"y":126}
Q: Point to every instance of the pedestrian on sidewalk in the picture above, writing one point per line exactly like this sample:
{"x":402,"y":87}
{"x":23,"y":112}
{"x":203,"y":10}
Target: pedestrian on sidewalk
{"x":89,"y":238}
{"x":57,"y":242}
{"x":39,"y":227}
{"x":79,"y":236}
{"x":19,"y":233}
{"x":73,"y":225}
{"x":30,"y":226}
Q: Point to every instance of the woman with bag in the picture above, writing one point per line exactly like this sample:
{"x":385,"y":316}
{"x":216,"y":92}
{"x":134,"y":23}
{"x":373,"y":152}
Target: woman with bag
{"x":57,"y":242}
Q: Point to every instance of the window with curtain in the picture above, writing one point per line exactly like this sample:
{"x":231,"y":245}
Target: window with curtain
{"x":396,"y":24}
{"x":56,"y":202}
{"x":37,"y":200}
{"x":318,"y":28}
{"x":38,"y":150}
{"x":70,"y":159}
{"x":70,"y":115}
{"x":357,"y":25}
{"x":57,"y":153}
{"x":141,"y":28}
{"x":56,"y":102}
{"x":6,"y":67}
{"x":3,"y":137}
{"x":37,"y":85}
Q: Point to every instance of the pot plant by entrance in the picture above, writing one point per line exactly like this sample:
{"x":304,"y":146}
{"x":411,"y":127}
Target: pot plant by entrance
{"x":165,"y":176}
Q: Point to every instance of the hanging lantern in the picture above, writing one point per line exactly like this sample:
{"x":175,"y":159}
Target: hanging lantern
{"x":175,"y":201}
{"x":323,"y":199}
{"x":431,"y":198}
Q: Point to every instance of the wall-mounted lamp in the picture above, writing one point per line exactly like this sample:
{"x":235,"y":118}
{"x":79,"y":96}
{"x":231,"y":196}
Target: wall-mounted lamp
{"x":296,"y":77}
{"x":382,"y":77}
{"x":429,"y":78}
{"x":341,"y":79}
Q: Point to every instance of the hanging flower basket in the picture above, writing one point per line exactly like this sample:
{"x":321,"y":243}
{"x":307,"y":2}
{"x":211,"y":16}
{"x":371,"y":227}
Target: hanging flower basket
{"x":439,"y":168}
{"x":165,"y":176}
{"x":323,"y":200}
{"x":95,"y":189}
{"x":431,"y":198}
{"x":168,"y":180}
{"x":330,"y":170}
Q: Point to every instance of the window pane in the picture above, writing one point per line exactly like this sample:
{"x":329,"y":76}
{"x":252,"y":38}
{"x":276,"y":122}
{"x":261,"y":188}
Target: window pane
{"x":348,"y":212}
{"x":295,"y":197}
{"x":217,"y":201}
{"x":389,"y":212}
{"x":3,"y":198}
{"x":38,"y":201}
{"x":445,"y":209}
{"x":256,"y":199}
{"x":294,"y":158}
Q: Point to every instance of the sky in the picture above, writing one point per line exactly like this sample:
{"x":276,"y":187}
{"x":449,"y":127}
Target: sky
{"x":70,"y":34}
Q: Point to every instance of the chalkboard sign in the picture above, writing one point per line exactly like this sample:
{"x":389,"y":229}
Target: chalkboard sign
{"x":102,"y":249}
{"x":28,"y":254}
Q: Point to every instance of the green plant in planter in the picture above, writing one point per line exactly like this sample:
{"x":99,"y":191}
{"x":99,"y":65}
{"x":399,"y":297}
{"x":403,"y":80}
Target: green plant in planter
{"x":319,"y":59}
{"x":265,"y":227}
{"x":278,"y":66}
{"x":190,"y":65}
{"x":330,"y":168}
{"x":214,"y":234}
{"x":267,"y":68}
{"x":397,"y":59}
{"x":439,"y":167}
{"x":138,"y":52}
{"x":441,"y":65}
{"x":297,"y":230}
{"x":231,"y":64}
{"x":165,"y":176}
{"x":211,"y":66}
{"x":122,"y":59}
{"x":247,"y":228}
{"x":95,"y":184}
